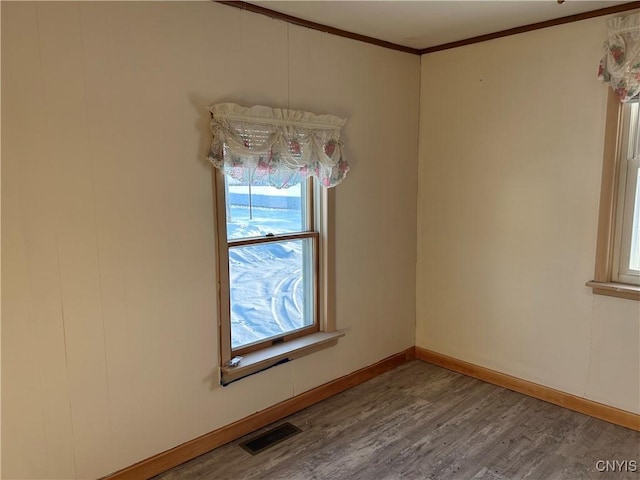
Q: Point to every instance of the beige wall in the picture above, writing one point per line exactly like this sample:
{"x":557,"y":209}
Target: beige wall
{"x":109,"y":347}
{"x":511,"y":141}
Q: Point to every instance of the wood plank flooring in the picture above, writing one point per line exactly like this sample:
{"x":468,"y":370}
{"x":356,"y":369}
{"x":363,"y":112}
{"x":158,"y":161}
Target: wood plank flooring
{"x":422,"y":422}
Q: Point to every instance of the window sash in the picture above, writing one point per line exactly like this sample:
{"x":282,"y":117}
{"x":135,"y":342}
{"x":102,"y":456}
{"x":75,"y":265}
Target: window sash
{"x":290,"y":334}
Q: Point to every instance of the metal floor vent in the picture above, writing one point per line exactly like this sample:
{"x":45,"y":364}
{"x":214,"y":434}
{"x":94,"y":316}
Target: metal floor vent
{"x":270,"y":438}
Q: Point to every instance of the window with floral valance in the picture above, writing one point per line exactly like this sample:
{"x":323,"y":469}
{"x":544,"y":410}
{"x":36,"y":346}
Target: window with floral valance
{"x":274,"y":233}
{"x":620,"y":66}
{"x":617,"y":270}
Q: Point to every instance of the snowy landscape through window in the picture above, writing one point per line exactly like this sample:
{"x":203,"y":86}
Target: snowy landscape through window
{"x":271,"y":283}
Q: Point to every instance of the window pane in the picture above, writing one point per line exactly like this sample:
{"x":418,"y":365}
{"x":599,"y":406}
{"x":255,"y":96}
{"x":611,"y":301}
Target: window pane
{"x":633,"y":148}
{"x":257,"y":210}
{"x":634,"y":256}
{"x":272,"y":288}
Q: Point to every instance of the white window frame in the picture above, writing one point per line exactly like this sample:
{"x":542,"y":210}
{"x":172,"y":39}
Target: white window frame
{"x":260,"y":356}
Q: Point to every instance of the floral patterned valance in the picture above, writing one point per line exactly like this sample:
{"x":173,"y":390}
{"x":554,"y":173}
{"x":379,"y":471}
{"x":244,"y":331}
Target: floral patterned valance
{"x":277,"y":147}
{"x":620,"y":66}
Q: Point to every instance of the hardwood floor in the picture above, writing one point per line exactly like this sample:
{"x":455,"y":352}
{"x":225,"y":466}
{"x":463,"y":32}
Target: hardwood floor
{"x":420,"y":421}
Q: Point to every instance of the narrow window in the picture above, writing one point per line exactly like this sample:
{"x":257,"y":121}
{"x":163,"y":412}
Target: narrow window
{"x":271,"y":263}
{"x":617,"y":271}
{"x":626,"y":263}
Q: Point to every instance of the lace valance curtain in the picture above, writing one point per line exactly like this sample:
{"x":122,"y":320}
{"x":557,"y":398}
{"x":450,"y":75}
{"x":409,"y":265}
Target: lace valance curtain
{"x":277,"y":147}
{"x":620,"y":66}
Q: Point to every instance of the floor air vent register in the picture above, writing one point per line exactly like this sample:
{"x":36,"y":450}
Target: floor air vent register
{"x":270,"y":438}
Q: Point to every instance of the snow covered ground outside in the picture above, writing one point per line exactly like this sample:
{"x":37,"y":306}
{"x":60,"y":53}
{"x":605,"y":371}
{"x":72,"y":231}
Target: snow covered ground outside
{"x":267,"y":287}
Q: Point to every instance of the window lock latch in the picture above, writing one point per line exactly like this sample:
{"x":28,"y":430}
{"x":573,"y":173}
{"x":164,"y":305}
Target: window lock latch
{"x":234,"y":362}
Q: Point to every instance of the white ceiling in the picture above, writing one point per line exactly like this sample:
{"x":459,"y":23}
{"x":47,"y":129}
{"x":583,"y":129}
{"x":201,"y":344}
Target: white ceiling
{"x":422,"y":24}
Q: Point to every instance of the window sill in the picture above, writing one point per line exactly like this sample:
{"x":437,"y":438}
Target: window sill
{"x":620,"y":290}
{"x":255,"y":362}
